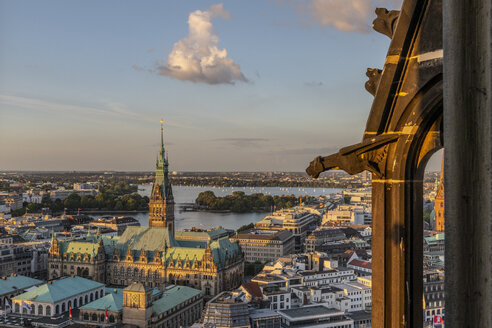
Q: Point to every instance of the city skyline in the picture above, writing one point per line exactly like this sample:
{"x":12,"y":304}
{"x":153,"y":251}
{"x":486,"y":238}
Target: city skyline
{"x":88,"y":87}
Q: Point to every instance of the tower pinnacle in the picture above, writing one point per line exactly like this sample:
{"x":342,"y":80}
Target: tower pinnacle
{"x":161,"y":203}
{"x":162,"y":138}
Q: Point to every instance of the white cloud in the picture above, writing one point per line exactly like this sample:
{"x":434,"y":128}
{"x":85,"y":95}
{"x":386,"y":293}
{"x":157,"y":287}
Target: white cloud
{"x":345,"y":15}
{"x":198,"y":58}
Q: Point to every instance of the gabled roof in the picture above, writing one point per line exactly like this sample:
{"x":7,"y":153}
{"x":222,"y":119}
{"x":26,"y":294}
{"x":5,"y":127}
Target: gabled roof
{"x":14,"y":283}
{"x":361,"y":264}
{"x":152,"y":240}
{"x":173,"y":297}
{"x":252,"y":288}
{"x":201,"y":235}
{"x":59,"y":290}
{"x":113,"y":302}
{"x":136,"y":287}
{"x":148,"y":238}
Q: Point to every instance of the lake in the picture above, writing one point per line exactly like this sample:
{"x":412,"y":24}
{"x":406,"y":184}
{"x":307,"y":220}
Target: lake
{"x":187,"y":194}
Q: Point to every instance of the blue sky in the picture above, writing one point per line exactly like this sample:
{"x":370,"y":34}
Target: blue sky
{"x":83,"y":84}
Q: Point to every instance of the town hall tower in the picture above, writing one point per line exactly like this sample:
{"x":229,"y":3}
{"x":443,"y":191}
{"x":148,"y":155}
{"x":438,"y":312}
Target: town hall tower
{"x":161,"y":204}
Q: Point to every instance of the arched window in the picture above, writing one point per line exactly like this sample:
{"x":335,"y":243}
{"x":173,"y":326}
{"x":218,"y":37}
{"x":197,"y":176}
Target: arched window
{"x":80,"y":301}
{"x":63,"y":307}
{"x":86,"y":299}
{"x":129,"y":272}
{"x":115,"y":271}
{"x":48,"y":310}
{"x":69,"y":304}
{"x":94,"y":317}
{"x":40,"y":309}
{"x":96,"y":295}
{"x":122,"y":271}
{"x":75,"y":303}
{"x":111,"y":318}
{"x":102,"y":317}
{"x":91,"y":297}
{"x":86,"y":316}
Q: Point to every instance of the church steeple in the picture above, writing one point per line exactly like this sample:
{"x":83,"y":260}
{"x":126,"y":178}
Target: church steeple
{"x":161,"y":204}
{"x":439,"y":201}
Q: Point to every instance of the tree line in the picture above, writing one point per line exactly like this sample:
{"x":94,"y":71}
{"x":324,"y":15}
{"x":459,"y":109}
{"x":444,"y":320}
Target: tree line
{"x":239,"y":202}
{"x":102,"y":201}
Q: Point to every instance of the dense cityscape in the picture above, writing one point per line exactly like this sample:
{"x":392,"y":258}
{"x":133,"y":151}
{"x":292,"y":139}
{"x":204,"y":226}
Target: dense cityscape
{"x":307,"y":261}
{"x":319,"y":164}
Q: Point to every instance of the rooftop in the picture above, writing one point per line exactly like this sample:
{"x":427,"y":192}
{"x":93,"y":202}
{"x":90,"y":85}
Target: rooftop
{"x":136,"y":287}
{"x":12,"y":284}
{"x":309,"y":312}
{"x":60,"y":289}
{"x":173,"y":297}
{"x":113,"y":302}
{"x":361,"y":264}
{"x":264,"y":234}
{"x":262,"y":313}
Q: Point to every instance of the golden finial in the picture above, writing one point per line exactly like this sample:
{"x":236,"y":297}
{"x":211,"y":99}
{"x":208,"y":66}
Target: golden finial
{"x":162,"y":121}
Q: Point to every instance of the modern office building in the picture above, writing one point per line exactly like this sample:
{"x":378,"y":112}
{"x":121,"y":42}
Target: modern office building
{"x":298,"y":220}
{"x":265,"y":245}
{"x":318,"y":239}
{"x":315,"y":316}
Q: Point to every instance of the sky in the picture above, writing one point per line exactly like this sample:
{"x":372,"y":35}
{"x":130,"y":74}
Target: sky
{"x":240,"y":85}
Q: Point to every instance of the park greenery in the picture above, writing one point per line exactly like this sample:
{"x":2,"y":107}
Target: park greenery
{"x":245,"y":227}
{"x":104,"y":201}
{"x":239,"y":202}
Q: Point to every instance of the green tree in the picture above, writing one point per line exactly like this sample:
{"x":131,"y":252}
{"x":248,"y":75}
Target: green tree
{"x":118,"y":206}
{"x":245,"y":227}
{"x":72,"y":201}
{"x":205,"y":198}
{"x":87,"y":201}
{"x":100,"y":201}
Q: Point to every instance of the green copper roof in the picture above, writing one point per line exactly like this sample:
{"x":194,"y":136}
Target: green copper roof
{"x":112,"y":301}
{"x":201,"y":235}
{"x":161,"y":172}
{"x":222,"y":246}
{"x":148,"y":238}
{"x":14,"y":283}
{"x":173,"y":297}
{"x":83,"y":247}
{"x":152,"y":239}
{"x":59,"y":290}
{"x":434,"y":239}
